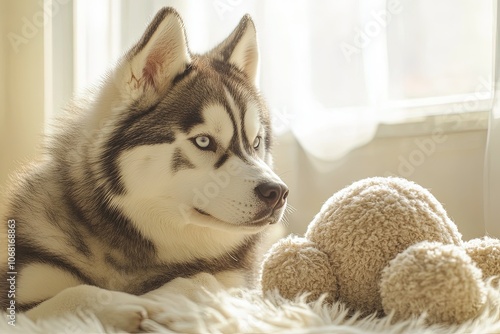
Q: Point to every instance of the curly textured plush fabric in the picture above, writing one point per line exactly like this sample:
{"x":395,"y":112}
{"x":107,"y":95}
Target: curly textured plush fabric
{"x":486,"y":253}
{"x":289,"y":261}
{"x":365,"y":225}
{"x":429,"y":277}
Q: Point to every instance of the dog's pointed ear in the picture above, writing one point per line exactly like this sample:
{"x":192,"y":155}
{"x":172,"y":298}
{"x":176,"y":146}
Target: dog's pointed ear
{"x":240,"y":48}
{"x":160,"y":55}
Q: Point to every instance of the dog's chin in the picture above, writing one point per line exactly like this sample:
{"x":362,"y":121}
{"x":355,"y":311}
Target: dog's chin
{"x":259,"y":223}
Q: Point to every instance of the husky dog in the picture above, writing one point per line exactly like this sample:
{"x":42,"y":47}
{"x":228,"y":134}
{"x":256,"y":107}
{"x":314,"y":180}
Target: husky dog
{"x":164,"y":172}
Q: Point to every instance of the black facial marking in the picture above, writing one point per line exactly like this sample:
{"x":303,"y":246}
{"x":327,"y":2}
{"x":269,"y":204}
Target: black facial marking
{"x":184,"y":104}
{"x":239,"y":101}
{"x":221,"y":161}
{"x":190,"y":120}
{"x":179,"y":161}
{"x":147,"y":127}
{"x":234,"y":144}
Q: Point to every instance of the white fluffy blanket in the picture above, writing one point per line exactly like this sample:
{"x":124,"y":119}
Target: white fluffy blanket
{"x":214,"y":310}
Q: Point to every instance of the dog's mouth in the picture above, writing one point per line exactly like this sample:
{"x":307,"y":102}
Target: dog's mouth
{"x":201,"y":212}
{"x":264,"y":217}
{"x":260,"y":220}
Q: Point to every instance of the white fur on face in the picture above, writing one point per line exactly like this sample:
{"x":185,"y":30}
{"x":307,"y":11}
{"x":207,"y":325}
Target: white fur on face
{"x":252,"y":122}
{"x":145,"y":170}
{"x":217,"y":124}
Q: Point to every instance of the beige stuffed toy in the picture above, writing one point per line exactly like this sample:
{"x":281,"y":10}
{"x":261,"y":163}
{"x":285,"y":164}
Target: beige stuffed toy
{"x":382,"y":245}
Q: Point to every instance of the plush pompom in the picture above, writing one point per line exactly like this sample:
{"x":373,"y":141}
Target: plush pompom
{"x":439,"y":280}
{"x":294,"y":266}
{"x":365,"y":225}
{"x":486,"y":253}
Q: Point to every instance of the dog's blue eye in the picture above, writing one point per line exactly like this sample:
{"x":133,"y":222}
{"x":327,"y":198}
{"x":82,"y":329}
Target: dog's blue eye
{"x":256,"y":142}
{"x":204,"y":142}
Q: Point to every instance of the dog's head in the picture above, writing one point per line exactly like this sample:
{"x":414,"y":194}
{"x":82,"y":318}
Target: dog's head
{"x":189,"y":136}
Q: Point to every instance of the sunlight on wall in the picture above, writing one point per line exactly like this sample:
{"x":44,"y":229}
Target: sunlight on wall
{"x":3,"y":95}
{"x":21,"y":113}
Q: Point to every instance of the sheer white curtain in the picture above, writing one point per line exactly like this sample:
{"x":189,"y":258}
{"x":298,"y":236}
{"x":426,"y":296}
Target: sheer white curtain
{"x":492,"y":161}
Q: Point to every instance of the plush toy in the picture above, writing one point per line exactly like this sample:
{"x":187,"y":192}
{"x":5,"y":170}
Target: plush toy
{"x":382,"y":245}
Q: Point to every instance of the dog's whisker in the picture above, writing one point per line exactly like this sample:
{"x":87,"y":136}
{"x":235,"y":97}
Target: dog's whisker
{"x":284,"y":172}
{"x":290,"y":209}
{"x":285,"y":221}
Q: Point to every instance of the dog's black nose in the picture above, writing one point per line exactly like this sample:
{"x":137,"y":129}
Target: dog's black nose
{"x":272,"y":193}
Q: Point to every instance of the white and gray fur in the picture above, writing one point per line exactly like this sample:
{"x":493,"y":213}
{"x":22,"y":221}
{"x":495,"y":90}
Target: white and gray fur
{"x":164,"y":171}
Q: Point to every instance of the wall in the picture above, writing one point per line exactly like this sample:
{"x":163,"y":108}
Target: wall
{"x":452,"y":170}
{"x":21,"y":83}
